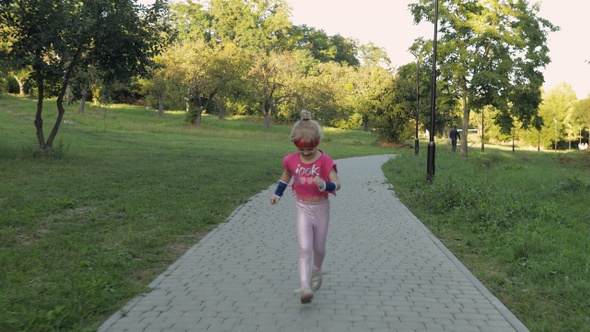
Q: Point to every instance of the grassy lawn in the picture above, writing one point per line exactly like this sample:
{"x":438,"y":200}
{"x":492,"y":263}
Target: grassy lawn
{"x":127,"y":193}
{"x":519,"y":221}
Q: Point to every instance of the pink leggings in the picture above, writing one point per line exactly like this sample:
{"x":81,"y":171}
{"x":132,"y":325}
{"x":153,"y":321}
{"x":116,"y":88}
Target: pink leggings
{"x":311,"y":221}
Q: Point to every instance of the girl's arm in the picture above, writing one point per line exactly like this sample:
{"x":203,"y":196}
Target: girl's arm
{"x":334,"y":178}
{"x":331,"y":185}
{"x":286,"y":176}
{"x":282,"y":185}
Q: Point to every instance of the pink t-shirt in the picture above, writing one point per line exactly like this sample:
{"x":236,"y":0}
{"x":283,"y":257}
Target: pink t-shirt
{"x":303,"y":174}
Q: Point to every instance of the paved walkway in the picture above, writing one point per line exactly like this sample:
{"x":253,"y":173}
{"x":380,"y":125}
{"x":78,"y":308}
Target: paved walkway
{"x":384,"y":271}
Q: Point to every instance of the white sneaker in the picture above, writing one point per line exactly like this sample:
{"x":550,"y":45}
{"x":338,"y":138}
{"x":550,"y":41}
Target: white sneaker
{"x":316,"y":280}
{"x":305,"y":294}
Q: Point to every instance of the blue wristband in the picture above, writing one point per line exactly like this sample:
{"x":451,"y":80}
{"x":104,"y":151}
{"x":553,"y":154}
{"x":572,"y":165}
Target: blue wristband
{"x":280,"y":188}
{"x":330,"y":186}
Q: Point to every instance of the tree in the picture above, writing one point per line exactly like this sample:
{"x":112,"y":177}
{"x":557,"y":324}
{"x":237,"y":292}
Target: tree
{"x":323,"y":47}
{"x":82,"y":82}
{"x":205,"y":75}
{"x":373,"y":56}
{"x":21,"y":75}
{"x":400,"y":122}
{"x":557,"y":111}
{"x":490,"y":53}
{"x":61,"y":38}
{"x":273,"y":79}
{"x":191,"y":21}
{"x":374,"y":87}
{"x":581,"y":115}
{"x":254,"y":25}
{"x":157,"y":85}
{"x":327,"y":91}
{"x":228,"y":71}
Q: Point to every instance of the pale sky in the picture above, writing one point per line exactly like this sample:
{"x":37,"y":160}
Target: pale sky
{"x":388,"y":24}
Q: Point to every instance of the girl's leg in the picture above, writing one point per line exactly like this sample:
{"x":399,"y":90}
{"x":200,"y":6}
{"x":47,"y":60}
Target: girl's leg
{"x":304,"y":226}
{"x":320,"y":233}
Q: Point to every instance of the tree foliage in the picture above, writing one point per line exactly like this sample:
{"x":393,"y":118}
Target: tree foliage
{"x":491,"y":53}
{"x":59,"y":39}
{"x":581,"y":114}
{"x":191,"y":21}
{"x":323,"y":47}
{"x":228,"y":57}
{"x":288,"y":67}
{"x":255,"y":25}
{"x":557,"y":110}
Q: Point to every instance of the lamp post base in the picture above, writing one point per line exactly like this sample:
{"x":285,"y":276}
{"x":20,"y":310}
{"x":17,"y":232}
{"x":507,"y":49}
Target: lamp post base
{"x":430,"y":162}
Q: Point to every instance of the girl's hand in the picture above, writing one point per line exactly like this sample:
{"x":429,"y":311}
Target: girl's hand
{"x":319,"y":182}
{"x":274,"y":199}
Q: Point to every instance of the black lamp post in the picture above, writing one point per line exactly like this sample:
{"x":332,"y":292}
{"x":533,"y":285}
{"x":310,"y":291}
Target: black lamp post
{"x":416,"y":140}
{"x":431,"y":145}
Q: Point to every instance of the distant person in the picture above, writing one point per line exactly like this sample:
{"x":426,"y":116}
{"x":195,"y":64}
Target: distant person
{"x":314,"y":176}
{"x":454,"y":135}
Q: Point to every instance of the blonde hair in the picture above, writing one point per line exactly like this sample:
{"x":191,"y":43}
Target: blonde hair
{"x":306,"y":129}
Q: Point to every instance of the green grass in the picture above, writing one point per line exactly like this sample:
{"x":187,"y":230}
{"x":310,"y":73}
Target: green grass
{"x":125,"y":194}
{"x":519,"y":221}
{"x":86,"y":230}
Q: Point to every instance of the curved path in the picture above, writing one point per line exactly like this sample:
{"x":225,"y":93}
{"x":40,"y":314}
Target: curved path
{"x":384,"y":271}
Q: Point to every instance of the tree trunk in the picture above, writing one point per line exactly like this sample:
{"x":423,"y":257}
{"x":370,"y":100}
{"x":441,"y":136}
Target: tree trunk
{"x":38,"y":117}
{"x":199,"y":117}
{"x":83,"y":91}
{"x":267,"y":120}
{"x":482,"y":131}
{"x":221,"y":111}
{"x":160,"y":104}
{"x":513,"y":138}
{"x":266,"y":114}
{"x":60,"y":110}
{"x":196,"y":116}
{"x":69,"y":94}
{"x":60,"y":115}
{"x":21,"y":86}
{"x":465,"y":128}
